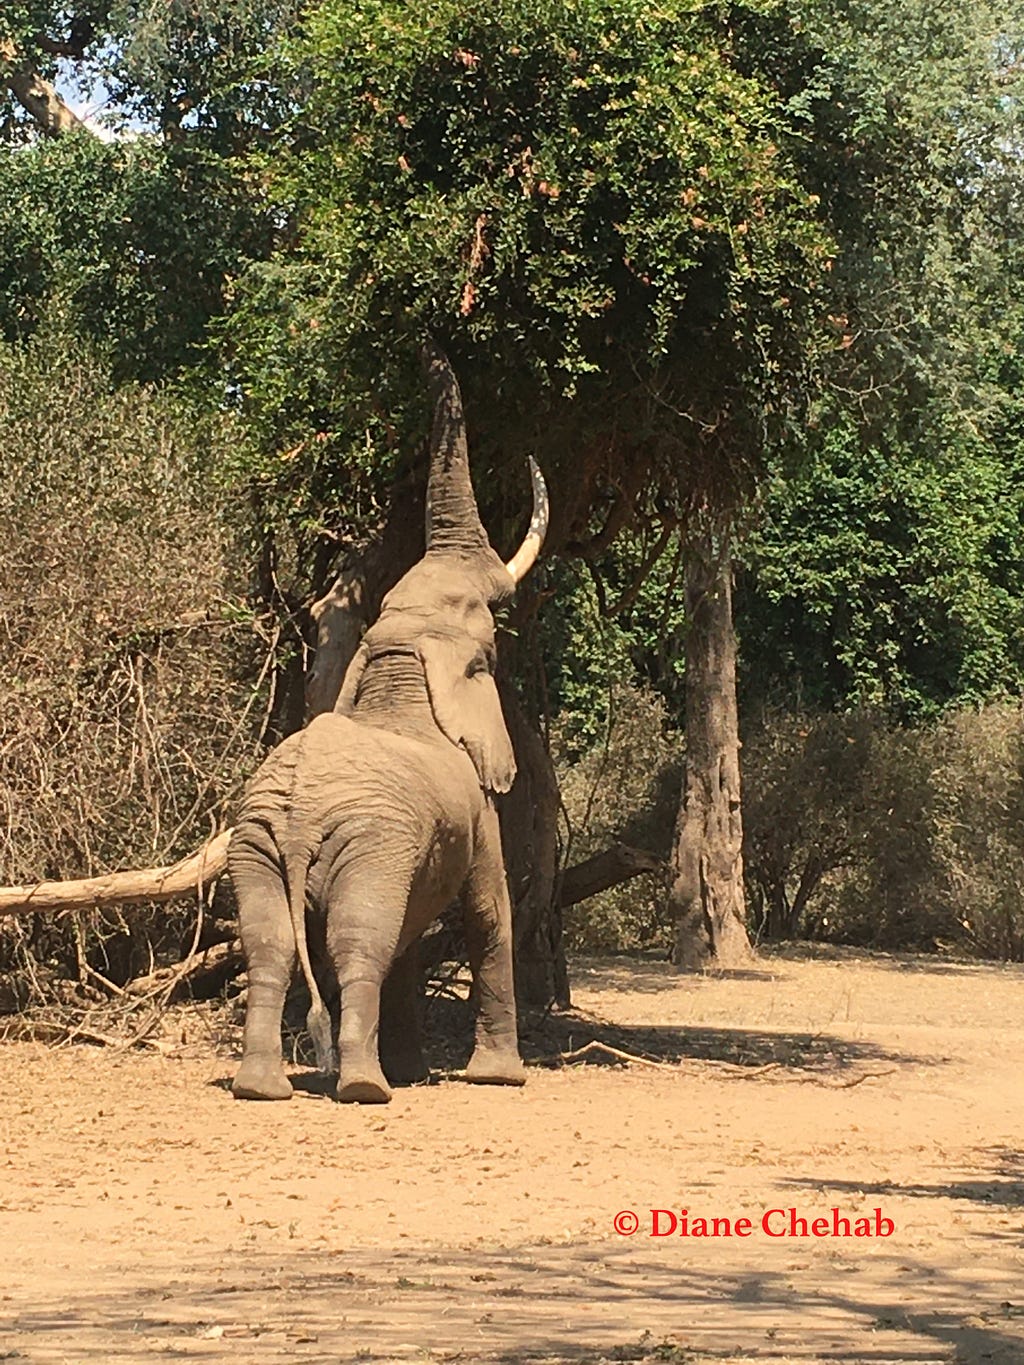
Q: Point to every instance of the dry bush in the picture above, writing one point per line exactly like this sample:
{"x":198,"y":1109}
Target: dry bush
{"x":625,"y":790}
{"x":976,"y":813}
{"x":804,"y":778}
{"x":131,"y":664}
{"x":864,"y":831}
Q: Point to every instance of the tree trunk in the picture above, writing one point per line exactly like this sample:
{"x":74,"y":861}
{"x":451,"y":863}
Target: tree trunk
{"x":353,"y":601}
{"x":529,"y":839}
{"x":706,"y":897}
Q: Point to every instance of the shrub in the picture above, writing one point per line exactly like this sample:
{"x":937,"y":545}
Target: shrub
{"x":860,"y":830}
{"x":625,"y":789}
{"x":132,"y":696}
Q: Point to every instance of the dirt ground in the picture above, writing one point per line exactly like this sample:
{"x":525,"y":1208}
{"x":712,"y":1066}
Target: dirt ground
{"x":145,"y":1215}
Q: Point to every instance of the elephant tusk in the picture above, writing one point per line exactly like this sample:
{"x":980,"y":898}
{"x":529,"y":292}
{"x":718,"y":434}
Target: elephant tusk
{"x":525,"y":557}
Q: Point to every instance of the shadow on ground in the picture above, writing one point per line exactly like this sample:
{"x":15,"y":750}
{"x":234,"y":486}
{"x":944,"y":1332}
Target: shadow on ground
{"x":575,"y":1303}
{"x":920,"y":964}
{"x":544,"y":1038}
{"x":654,"y":976}
{"x":999,"y":1183}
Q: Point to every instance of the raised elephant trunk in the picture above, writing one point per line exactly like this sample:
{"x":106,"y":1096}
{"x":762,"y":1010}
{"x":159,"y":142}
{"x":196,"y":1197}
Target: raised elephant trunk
{"x":453,"y":521}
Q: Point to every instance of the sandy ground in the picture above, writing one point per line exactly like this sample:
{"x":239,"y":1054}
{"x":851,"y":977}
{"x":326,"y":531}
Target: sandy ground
{"x":145,"y":1215}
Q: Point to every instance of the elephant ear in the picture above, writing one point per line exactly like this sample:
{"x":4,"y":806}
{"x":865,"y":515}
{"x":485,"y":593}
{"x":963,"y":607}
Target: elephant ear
{"x":350,"y":686}
{"x":464,"y":699}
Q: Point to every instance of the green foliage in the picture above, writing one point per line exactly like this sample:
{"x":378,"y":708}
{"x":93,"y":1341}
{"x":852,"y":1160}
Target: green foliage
{"x":192,"y":69}
{"x":884,"y":568}
{"x":889,"y":576}
{"x":609,"y":621}
{"x":187,"y":69}
{"x":130,"y":244}
{"x":913,"y":115}
{"x":592,"y":206}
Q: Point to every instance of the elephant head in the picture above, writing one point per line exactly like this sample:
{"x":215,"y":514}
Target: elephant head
{"x":436,"y":625}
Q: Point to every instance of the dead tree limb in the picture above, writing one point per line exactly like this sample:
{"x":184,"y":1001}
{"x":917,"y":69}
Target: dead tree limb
{"x":194,"y":873}
{"x":604,"y":870}
{"x":191,"y":874}
{"x":200,"y":975}
{"x":617,"y":1054}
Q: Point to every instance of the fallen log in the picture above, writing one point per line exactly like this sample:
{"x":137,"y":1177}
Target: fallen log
{"x":194,"y":873}
{"x":200,"y":976}
{"x":190,"y":875}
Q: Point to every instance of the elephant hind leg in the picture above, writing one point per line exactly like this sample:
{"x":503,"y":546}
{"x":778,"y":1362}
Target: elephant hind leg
{"x":364,"y":921}
{"x":360,"y":1078}
{"x":269,"y":946}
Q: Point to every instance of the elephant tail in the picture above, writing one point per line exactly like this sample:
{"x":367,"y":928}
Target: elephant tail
{"x":296,"y":858}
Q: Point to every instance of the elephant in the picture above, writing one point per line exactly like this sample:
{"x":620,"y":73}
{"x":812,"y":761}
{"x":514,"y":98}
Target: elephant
{"x":382,"y":811}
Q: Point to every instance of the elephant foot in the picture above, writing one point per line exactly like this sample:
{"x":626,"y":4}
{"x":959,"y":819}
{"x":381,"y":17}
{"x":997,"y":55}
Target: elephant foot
{"x":261,"y":1078}
{"x":495,"y":1066}
{"x":365,"y":1085}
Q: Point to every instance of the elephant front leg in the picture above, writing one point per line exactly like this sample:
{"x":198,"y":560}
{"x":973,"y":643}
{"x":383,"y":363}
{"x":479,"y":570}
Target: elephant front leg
{"x":269,"y":947}
{"x":495,"y":1059}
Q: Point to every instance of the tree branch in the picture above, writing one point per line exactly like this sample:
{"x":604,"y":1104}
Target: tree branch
{"x":36,"y":96}
{"x":604,"y":870}
{"x":80,"y":35}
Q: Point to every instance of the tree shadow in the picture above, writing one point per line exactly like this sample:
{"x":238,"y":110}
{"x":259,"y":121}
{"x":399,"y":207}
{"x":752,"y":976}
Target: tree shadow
{"x":1009,"y":1162}
{"x":725,"y":974}
{"x":655,"y":976}
{"x":544,"y":1038}
{"x":1006,"y":1193}
{"x":924,"y":964}
{"x":1002,"y":1186}
{"x":557,"y":1303}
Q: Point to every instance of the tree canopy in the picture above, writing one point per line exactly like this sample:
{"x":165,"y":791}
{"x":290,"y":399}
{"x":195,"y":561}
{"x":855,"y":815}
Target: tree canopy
{"x":754,"y":264}
{"x":595,"y":206}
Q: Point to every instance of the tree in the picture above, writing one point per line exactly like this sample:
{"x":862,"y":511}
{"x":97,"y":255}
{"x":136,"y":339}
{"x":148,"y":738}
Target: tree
{"x":183,"y":72}
{"x":650,"y":242}
{"x":885,"y":567}
{"x":131,"y":245}
{"x":34,"y":37}
{"x":596,"y":207}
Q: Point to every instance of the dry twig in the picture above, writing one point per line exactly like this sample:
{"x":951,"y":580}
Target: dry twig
{"x":607,"y":1050}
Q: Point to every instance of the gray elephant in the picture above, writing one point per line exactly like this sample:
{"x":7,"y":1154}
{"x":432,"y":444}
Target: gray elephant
{"x":382,"y":812}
